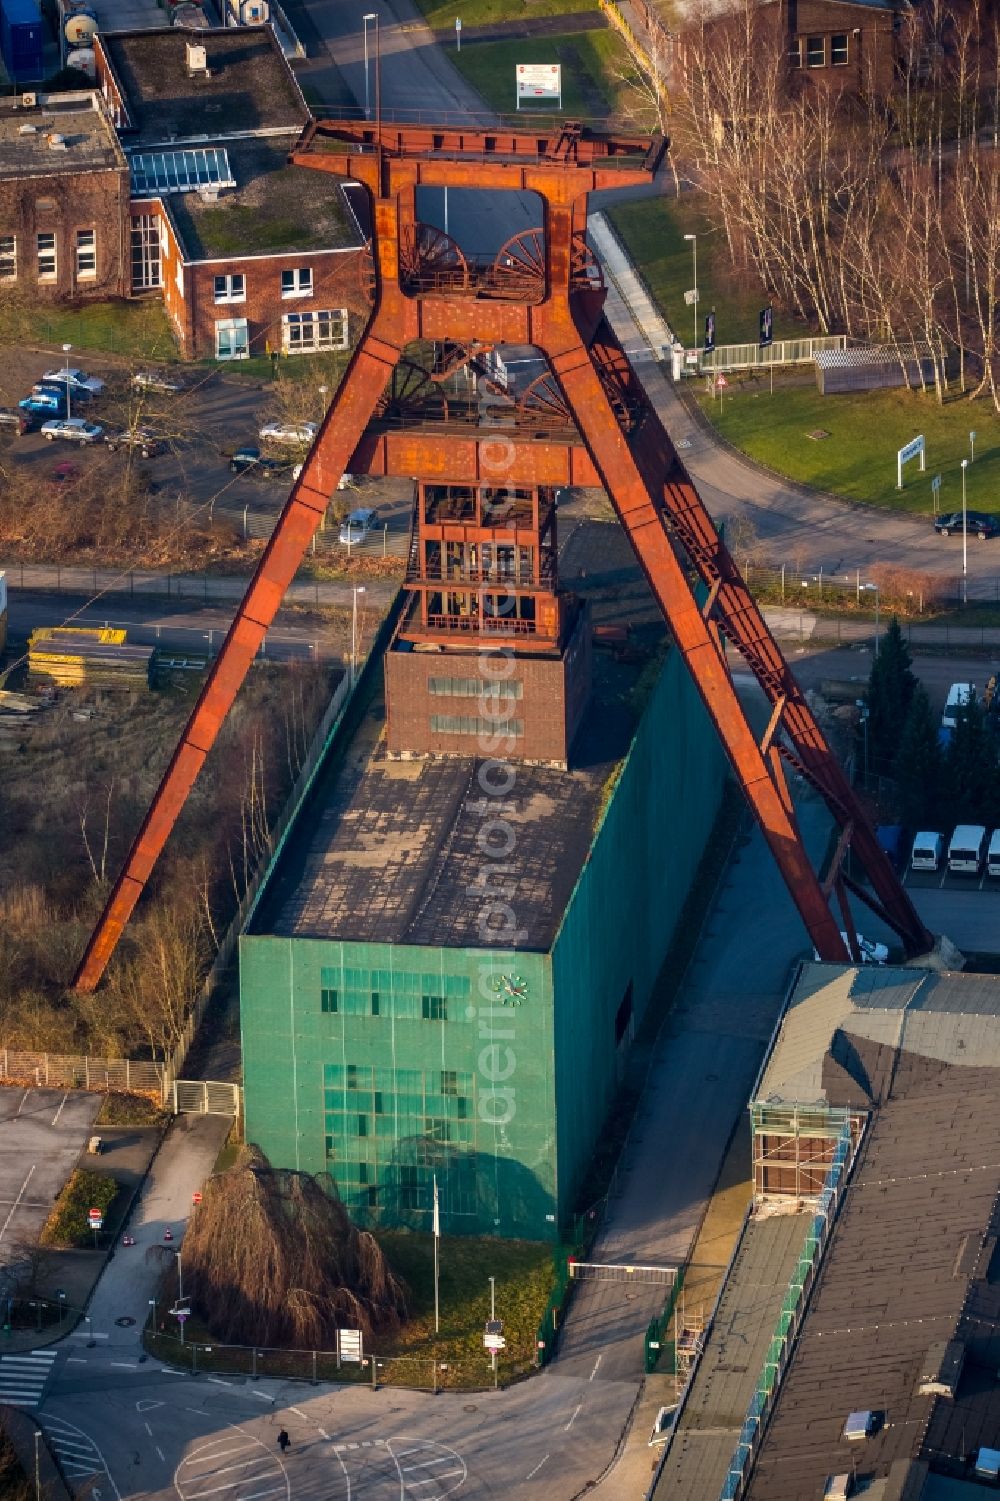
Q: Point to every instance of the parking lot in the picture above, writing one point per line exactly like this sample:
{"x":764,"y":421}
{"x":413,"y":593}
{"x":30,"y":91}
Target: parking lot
{"x":201,"y":426}
{"x":43,"y":1132}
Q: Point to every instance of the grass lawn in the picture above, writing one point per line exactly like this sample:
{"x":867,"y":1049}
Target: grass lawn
{"x":588,"y":91}
{"x":136,"y":329}
{"x":494,"y":12}
{"x":653,"y":231}
{"x":858,"y":459}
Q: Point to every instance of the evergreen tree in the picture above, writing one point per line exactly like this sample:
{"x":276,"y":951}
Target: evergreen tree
{"x":970,"y":768}
{"x":918,"y":766}
{"x":890,"y":692}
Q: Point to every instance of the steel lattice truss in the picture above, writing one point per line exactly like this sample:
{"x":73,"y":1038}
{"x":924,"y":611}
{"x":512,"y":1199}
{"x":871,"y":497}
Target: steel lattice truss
{"x":542,"y":289}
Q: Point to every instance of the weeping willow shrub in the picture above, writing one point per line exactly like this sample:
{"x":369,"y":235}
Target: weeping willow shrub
{"x":271,"y":1258}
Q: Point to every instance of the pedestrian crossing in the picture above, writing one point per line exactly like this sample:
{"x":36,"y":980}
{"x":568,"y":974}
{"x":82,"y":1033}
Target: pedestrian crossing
{"x":23,"y":1377}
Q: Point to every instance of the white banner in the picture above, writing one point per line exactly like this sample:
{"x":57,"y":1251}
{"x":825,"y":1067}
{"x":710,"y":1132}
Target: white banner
{"x":539,"y":81}
{"x":349,"y":1345}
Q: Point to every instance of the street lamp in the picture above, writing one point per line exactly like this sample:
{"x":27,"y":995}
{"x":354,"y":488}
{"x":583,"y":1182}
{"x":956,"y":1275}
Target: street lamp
{"x":694,"y":254}
{"x":66,"y":350}
{"x":358,"y":589}
{"x":965,"y":540}
{"x":862,"y":708}
{"x":370,"y":16}
{"x":878,"y":599}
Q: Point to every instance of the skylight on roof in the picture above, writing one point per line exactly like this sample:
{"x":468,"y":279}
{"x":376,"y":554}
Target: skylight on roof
{"x":181,"y":171}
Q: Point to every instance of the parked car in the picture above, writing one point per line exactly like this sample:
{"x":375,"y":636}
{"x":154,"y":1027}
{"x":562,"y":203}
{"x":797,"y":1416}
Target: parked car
{"x":927,"y":851}
{"x":967,"y":849}
{"x":64,"y":473}
{"x":157,"y":380}
{"x":288,"y":432}
{"x":979,"y":522}
{"x":249,"y":458}
{"x":15,"y":421}
{"x":52,"y":403}
{"x":76,"y":380}
{"x":139,"y":439}
{"x":57,"y":388}
{"x":73,"y":428}
{"x":960,"y":695}
{"x":358,"y":525}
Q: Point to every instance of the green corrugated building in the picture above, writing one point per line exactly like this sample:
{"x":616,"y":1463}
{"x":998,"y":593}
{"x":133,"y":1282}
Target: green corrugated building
{"x":393,"y":1032}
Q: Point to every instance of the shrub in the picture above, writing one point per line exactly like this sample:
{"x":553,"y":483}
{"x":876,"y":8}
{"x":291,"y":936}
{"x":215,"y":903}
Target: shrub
{"x":68,"y":1225}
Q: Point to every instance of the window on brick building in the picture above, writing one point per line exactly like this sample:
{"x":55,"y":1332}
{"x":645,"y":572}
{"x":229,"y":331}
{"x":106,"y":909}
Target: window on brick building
{"x":305,"y":333}
{"x":795,"y":52}
{"x":816,"y":52}
{"x":46,"y":257}
{"x":86,"y":254}
{"x":147,"y":252}
{"x":231,"y":288}
{"x":297,"y":282}
{"x":232,"y":339}
{"x":8,"y":257}
{"x":838,"y":49}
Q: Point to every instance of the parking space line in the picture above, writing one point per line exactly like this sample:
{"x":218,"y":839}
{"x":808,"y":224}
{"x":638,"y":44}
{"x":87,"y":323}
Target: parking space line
{"x":20,"y":1196}
{"x":20,"y":1107}
{"x":62,"y":1102}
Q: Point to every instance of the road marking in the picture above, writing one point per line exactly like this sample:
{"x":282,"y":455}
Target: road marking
{"x":297,"y":1411}
{"x":160,"y":1453}
{"x":76,"y":1360}
{"x":55,"y":1118}
{"x":24,"y":1099}
{"x":146,"y":1406}
{"x":262,"y":1395}
{"x":596,"y":1364}
{"x":65,"y":1436}
{"x":20,"y":1196}
{"x":218,"y":1381}
{"x":124,"y":1365}
{"x":573,"y":1419}
{"x":424,"y":1464}
{"x":532,"y":1473}
{"x":411,"y":1485}
{"x":23,"y":1377}
{"x":148,"y":1429}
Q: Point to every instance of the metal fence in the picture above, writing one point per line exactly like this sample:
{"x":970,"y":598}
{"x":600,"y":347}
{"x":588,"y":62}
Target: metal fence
{"x":606,"y":1271}
{"x":751,"y":357}
{"x":80,"y":1071}
{"x":206,"y":1097}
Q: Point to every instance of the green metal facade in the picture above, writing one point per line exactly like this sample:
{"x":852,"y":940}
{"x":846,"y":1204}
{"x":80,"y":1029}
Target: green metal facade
{"x":387,"y":1065}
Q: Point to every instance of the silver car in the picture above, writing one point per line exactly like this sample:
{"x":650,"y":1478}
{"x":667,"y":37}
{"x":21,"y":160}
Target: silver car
{"x":357,"y":526}
{"x":74,"y":428}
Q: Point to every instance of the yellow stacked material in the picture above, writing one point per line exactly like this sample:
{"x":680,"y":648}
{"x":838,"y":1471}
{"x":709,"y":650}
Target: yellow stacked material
{"x":74,"y":656}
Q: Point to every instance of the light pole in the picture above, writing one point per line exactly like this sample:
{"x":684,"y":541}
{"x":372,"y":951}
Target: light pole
{"x":370,"y":16}
{"x":358,"y":589}
{"x":38,"y":1472}
{"x":878,"y":600}
{"x":694,"y":255}
{"x":66,"y":350}
{"x":965,"y":540}
{"x":862,"y":708}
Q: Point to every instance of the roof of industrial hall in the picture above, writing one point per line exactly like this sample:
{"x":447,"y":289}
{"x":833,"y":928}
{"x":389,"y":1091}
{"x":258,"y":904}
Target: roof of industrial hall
{"x":88,"y":142}
{"x":249,"y":86}
{"x":390,"y":853}
{"x":904,"y":1317}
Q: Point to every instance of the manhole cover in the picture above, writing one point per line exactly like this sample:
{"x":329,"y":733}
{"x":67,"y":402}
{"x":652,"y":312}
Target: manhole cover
{"x":124,"y":1322}
{"x":683,"y":442}
{"x":470,"y":1407}
{"x":818,"y":434}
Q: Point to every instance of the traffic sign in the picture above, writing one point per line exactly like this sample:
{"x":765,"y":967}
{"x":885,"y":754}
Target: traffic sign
{"x":196,"y":1198}
{"x":494,"y":1326}
{"x":720,"y":380}
{"x":95,"y":1214}
{"x":494,"y":1342}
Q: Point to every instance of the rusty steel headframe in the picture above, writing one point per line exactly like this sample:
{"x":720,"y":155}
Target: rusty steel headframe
{"x":544,"y":290}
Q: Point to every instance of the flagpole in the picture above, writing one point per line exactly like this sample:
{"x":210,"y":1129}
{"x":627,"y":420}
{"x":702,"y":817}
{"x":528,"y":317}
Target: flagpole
{"x":437,"y":1237}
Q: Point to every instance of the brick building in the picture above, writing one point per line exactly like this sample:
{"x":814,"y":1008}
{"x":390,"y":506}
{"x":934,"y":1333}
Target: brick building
{"x":249,"y":254}
{"x":64,"y":200}
{"x":848,"y":44}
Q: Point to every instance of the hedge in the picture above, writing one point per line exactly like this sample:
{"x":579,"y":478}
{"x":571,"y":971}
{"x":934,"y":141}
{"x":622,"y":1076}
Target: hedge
{"x":68,"y":1224}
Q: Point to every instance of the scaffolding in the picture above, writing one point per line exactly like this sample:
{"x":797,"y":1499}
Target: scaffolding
{"x":793,"y":1149}
{"x":689,"y":1340}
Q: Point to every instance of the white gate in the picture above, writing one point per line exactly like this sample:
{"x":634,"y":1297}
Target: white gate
{"x":206,"y":1097}
{"x":606,"y":1271}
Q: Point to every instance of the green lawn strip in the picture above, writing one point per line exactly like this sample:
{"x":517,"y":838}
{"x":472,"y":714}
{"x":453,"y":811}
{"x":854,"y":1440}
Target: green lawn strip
{"x":587,"y":88}
{"x":524,"y":1273}
{"x":858,"y":459}
{"x":68,"y":1225}
{"x":137,"y":330}
{"x":121,"y":1109}
{"x":497,"y":12}
{"x":653,"y":230}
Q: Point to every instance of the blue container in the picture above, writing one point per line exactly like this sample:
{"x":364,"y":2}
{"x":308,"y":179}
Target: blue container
{"x":21,"y":38}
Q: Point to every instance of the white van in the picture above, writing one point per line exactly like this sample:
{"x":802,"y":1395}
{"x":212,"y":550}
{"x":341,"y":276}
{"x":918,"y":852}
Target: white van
{"x":959,"y":694}
{"x":927,"y":851}
{"x":993,"y":854}
{"x":966,"y":849}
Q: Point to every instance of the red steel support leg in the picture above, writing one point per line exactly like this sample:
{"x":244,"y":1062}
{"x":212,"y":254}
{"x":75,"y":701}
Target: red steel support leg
{"x":303,"y":511}
{"x":633,"y":469}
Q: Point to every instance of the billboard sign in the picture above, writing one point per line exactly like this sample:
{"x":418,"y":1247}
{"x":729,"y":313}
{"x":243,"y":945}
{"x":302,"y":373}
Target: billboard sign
{"x":538,"y":81}
{"x":709,"y":333}
{"x":766,"y":327}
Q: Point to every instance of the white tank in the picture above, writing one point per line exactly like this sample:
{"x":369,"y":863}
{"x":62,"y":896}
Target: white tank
{"x":82,"y":58}
{"x":80,"y":28}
